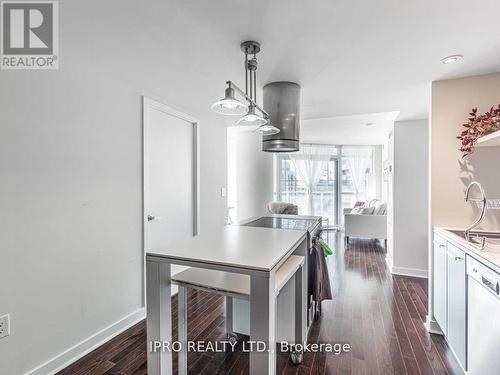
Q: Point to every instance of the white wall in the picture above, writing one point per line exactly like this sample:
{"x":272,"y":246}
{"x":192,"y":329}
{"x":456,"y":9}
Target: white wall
{"x":378,"y":171}
{"x":389,"y":185}
{"x":410,"y":197}
{"x":254,"y":173}
{"x":385,"y":162}
{"x":452,"y":100}
{"x":71,"y":204}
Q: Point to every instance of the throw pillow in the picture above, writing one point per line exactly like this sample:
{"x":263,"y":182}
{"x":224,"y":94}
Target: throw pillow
{"x":380,"y":209}
{"x":367,"y":210}
{"x":356,"y":210}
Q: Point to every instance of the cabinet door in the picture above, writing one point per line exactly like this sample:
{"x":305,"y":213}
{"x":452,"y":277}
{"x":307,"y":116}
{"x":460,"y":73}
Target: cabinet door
{"x":440,"y":281}
{"x":457,"y":329}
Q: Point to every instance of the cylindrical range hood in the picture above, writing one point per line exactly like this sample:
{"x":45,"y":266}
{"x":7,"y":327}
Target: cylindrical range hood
{"x":282,"y":103}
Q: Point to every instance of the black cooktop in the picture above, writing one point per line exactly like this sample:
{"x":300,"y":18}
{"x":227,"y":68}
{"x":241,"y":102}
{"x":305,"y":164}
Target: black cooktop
{"x":281,"y":223}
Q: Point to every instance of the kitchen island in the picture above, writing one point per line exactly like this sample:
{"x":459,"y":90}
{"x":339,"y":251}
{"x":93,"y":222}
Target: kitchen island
{"x":256,"y":252}
{"x":241,"y":308}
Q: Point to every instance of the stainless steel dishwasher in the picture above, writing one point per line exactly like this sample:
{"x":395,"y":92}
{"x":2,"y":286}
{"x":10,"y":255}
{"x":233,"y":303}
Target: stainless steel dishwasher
{"x":483,"y":319}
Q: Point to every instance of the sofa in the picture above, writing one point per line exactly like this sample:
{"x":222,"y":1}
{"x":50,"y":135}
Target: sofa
{"x":366,"y":221}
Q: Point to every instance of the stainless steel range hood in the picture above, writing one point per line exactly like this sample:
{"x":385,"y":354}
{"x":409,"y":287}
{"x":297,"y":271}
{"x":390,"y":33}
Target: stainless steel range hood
{"x":282,"y":103}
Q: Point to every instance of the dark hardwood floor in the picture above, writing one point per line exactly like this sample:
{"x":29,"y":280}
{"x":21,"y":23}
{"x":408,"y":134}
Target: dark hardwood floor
{"x":379,"y":314}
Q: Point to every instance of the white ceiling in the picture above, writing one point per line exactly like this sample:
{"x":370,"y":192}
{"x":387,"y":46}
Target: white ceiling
{"x":349,"y":130}
{"x":350,"y":56}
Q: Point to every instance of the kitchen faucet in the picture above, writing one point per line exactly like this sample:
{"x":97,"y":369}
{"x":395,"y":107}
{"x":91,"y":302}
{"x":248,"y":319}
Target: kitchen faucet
{"x":483,"y":202}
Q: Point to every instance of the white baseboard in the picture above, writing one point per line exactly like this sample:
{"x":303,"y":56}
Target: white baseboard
{"x":432,"y":326}
{"x":84,"y":347}
{"x":414,"y":272}
{"x":404,"y":271}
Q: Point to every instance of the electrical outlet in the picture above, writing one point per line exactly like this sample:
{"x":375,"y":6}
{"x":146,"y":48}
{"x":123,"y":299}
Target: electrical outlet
{"x":4,"y":326}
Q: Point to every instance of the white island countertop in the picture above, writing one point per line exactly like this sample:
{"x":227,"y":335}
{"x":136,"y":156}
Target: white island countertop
{"x":490,"y":255}
{"x":252,"y":248}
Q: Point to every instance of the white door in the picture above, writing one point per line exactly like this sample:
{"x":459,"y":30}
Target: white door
{"x":170,"y":177}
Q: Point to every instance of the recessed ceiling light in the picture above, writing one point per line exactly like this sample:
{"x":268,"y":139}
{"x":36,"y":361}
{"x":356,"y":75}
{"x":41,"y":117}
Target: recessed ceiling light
{"x":370,"y":124}
{"x":451,"y":59}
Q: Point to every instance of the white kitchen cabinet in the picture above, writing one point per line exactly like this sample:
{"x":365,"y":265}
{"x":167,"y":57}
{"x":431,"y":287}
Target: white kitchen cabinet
{"x":440,"y":283}
{"x":456,"y":302}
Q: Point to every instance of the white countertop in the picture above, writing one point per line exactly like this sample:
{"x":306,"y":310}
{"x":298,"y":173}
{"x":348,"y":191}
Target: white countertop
{"x":237,"y":246}
{"x":490,"y":255}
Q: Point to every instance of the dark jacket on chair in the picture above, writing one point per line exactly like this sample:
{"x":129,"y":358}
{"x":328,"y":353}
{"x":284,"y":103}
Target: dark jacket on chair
{"x":321,"y":280}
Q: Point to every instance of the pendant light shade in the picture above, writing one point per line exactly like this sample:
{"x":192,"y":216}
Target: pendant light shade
{"x":268,"y":129}
{"x":229,"y":105}
{"x":251,"y":118}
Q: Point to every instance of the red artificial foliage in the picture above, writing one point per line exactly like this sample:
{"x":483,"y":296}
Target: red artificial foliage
{"x":478,"y":126}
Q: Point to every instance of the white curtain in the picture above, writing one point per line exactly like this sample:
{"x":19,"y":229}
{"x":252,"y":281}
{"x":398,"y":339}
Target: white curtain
{"x":360,"y":163}
{"x":310,"y":162}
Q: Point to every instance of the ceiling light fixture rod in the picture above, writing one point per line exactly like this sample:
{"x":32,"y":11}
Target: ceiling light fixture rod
{"x":252,"y":83}
{"x":254,"y":67}
{"x":255,"y":85}
{"x":248,"y":99}
{"x":246,"y":72}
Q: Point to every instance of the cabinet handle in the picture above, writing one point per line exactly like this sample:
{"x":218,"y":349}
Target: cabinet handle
{"x":151,"y":218}
{"x":490,"y":284}
{"x":454,"y":256}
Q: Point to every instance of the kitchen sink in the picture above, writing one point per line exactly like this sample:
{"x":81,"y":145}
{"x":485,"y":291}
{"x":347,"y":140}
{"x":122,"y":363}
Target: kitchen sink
{"x":475,"y":236}
{"x":477,"y":233}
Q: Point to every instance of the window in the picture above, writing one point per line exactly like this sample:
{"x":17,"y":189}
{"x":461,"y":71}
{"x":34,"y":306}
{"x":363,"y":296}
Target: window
{"x":358,"y":179}
{"x":348,"y":176}
{"x":325,"y":193}
{"x":292,"y":189}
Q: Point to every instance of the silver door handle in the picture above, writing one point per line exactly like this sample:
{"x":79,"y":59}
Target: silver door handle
{"x":151,"y":218}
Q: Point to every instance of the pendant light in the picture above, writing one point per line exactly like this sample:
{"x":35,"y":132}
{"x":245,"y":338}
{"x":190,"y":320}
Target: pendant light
{"x":253,"y":114}
{"x":229,"y":105}
{"x":251,"y":118}
{"x":267,"y":129}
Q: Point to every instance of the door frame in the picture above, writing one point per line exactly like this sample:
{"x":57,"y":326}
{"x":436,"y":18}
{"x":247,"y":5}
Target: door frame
{"x":148,"y":103}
